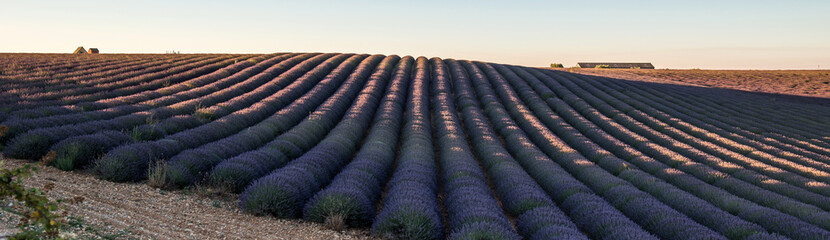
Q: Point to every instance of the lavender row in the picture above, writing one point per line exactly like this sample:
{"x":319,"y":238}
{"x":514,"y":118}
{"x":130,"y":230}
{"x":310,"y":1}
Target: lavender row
{"x":17,"y":65}
{"x":354,"y":192}
{"x":717,"y":125}
{"x":800,"y":179}
{"x":55,"y":102}
{"x":28,"y":63}
{"x":740,"y":182}
{"x":798,"y":187}
{"x":766,"y":123}
{"x":468,"y":198}
{"x":807,"y":117}
{"x":190,"y":165}
{"x":704,"y":111}
{"x":71,"y":96}
{"x":61,"y":66}
{"x":17,"y":126}
{"x":768,"y":218}
{"x":72,"y":85}
{"x":640,"y":206}
{"x":291,"y":105}
{"x":603,"y":221}
{"x":56,"y":79}
{"x":410,"y":207}
{"x":153,"y":130}
{"x":242,"y":99}
{"x":145,"y":87}
{"x":47,"y":108}
{"x":33,"y":144}
{"x":79,"y":151}
{"x":768,"y":155}
{"x":15,"y":86}
{"x":285,"y":191}
{"x":159,"y":87}
{"x":791,"y":118}
{"x":519,"y":193}
{"x":235,"y":173}
{"x":33,"y":80}
{"x":697,"y":209}
{"x":130,"y":162}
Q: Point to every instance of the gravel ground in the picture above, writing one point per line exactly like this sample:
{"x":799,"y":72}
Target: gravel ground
{"x":136,"y":211}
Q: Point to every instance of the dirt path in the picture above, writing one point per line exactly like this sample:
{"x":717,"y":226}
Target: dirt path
{"x":137,"y":211}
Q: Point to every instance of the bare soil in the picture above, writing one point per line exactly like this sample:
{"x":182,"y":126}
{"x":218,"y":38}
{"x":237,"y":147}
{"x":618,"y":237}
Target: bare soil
{"x":136,"y":211}
{"x":812,"y":83}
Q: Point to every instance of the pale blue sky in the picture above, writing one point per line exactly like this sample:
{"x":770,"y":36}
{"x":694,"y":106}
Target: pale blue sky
{"x":690,"y":34}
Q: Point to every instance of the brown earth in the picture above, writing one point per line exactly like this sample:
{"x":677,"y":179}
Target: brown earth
{"x":136,"y":211}
{"x":813,"y":83}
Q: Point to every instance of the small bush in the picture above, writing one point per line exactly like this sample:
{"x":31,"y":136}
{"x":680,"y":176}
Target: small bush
{"x":66,"y":162}
{"x":556,"y":65}
{"x":602,"y":66}
{"x":66,"y":159}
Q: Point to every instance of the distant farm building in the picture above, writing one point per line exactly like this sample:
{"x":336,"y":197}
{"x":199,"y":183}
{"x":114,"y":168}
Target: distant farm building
{"x":93,"y":51}
{"x":614,"y":65}
{"x":80,"y":50}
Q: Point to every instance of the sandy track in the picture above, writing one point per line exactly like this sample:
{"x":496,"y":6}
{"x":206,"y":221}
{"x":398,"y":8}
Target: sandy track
{"x":149,"y":213}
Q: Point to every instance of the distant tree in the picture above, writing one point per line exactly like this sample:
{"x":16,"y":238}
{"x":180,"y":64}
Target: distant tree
{"x":556,"y":65}
{"x":602,"y":66}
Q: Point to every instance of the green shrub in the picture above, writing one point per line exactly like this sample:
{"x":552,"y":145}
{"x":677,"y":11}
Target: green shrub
{"x":556,"y":65}
{"x":602,"y":66}
{"x":68,"y":160}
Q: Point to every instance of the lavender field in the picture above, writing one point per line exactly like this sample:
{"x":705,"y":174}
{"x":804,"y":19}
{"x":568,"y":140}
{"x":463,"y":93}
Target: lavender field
{"x":430,"y":148}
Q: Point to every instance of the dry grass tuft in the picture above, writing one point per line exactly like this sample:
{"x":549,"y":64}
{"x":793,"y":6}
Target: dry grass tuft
{"x":48,"y":158}
{"x":336,"y":222}
{"x":156,"y":175}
